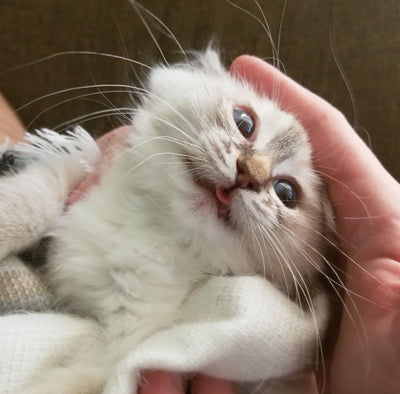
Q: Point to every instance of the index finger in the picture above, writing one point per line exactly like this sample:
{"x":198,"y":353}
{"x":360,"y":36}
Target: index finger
{"x":10,"y":125}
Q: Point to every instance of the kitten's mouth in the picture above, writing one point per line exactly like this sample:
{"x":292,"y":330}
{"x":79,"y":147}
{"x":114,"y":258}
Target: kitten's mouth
{"x":221,"y":195}
{"x":216,"y":195}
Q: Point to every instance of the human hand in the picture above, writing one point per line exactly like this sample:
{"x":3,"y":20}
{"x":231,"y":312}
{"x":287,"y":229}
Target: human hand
{"x":366,"y":202}
{"x":11,"y":128}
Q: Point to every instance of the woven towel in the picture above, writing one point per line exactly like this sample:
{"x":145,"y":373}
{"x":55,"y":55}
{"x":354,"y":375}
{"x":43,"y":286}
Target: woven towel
{"x":236,"y":328}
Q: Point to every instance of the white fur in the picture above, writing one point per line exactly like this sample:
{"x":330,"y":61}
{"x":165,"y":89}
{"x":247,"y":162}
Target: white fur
{"x":31,"y":201}
{"x":130,"y":252}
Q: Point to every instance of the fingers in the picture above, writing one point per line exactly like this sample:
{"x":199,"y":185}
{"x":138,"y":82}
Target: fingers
{"x":110,"y":144}
{"x":352,"y":172}
{"x":10,"y":125}
{"x":114,"y":138}
{"x":161,"y":382}
{"x":202,"y":384}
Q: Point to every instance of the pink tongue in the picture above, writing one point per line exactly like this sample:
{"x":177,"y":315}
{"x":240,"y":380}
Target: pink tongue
{"x":222,"y":196}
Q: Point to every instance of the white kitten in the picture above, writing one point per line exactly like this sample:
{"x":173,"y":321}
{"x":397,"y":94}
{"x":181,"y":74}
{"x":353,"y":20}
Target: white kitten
{"x":218,"y":181}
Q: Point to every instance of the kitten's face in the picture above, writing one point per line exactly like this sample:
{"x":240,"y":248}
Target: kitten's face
{"x":234,"y":167}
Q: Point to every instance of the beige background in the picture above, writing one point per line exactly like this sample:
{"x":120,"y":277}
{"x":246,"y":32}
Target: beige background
{"x":363,"y":34}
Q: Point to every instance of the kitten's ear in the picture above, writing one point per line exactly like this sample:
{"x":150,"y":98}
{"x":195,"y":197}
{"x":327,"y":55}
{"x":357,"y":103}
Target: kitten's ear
{"x":210,"y":60}
{"x":166,"y":83}
{"x":171,"y":81}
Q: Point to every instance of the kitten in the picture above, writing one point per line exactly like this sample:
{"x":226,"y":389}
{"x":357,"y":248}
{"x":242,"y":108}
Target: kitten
{"x":217,"y":180}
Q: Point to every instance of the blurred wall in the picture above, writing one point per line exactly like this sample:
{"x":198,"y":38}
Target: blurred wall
{"x":363,"y":36}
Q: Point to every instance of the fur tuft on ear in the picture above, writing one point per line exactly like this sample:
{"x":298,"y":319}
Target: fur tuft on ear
{"x":210,"y":59}
{"x":166,"y":82}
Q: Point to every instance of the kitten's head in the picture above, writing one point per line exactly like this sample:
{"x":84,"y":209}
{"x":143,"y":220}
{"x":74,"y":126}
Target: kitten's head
{"x":234,"y":170}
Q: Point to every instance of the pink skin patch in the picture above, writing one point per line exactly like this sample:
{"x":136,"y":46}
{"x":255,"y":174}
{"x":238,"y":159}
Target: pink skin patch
{"x":110,"y":144}
{"x":222,"y":196}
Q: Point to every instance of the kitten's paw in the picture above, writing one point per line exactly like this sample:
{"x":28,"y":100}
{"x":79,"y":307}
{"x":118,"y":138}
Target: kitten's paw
{"x":74,"y":146}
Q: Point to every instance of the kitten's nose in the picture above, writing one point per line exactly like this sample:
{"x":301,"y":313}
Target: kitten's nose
{"x":252,"y":172}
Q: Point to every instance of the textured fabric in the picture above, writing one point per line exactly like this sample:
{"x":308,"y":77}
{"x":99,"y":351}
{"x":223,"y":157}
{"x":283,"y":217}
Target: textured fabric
{"x":30,"y":342}
{"x":235,"y":328}
{"x":21,"y":289}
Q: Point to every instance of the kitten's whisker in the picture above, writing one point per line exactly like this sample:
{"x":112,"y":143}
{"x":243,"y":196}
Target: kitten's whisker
{"x":178,"y":113}
{"x":278,"y":46}
{"x":255,"y":241}
{"x":301,"y":283}
{"x":309,"y":301}
{"x":351,"y":260}
{"x":82,"y":96}
{"x":145,"y":160}
{"x":267,"y":29}
{"x":135,"y":6}
{"x":68,"y":125}
{"x":167,"y":29}
{"x":275,"y":48}
{"x":195,"y":148}
{"x":190,"y":148}
{"x":57,"y":54}
{"x":263,"y":23}
{"x":193,"y":140}
{"x":262,"y":254}
{"x":334,"y":285}
{"x":304,"y":289}
{"x":279,"y":253}
{"x":347,"y":188}
{"x":111,"y":105}
{"x":339,"y":282}
{"x":345,"y":80}
{"x":124,"y":48}
{"x":94,"y":115}
{"x":107,"y":85}
{"x":332,"y":282}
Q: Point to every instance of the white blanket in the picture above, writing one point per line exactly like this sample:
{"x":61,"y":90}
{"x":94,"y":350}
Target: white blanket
{"x":237,"y":328}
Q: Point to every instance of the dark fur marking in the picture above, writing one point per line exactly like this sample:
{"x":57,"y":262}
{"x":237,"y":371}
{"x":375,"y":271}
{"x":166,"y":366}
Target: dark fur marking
{"x":227,"y":146}
{"x":11,"y":163}
{"x":284,"y":144}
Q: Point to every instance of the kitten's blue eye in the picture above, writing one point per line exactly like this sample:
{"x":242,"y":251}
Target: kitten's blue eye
{"x":244,"y":122}
{"x":286,"y":192}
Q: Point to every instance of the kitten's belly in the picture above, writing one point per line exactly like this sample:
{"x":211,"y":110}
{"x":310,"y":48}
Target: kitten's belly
{"x":107,"y":268}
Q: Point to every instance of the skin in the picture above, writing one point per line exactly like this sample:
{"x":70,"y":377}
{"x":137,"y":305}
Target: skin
{"x":10,"y":126}
{"x":365,"y":356}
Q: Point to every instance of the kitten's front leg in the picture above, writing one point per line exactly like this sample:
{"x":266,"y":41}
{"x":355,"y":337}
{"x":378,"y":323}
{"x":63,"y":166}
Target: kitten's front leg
{"x":35,"y":180}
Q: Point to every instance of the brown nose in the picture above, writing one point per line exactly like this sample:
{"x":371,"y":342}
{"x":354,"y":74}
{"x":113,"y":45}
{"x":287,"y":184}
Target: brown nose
{"x":252,"y":172}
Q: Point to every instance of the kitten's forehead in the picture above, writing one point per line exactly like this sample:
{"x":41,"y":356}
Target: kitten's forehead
{"x":286,"y":144}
